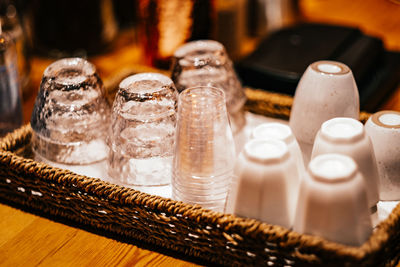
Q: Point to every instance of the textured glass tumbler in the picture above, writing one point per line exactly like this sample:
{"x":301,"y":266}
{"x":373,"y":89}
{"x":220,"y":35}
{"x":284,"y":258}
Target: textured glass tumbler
{"x":205,"y":151}
{"x":70,"y":116}
{"x":142,"y":131}
{"x":206,"y":63}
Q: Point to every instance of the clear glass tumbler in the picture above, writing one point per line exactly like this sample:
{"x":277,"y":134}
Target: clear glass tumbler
{"x":204,"y":150}
{"x":142,"y":131}
{"x":164,"y":25}
{"x":70,"y":116}
{"x":10,"y":93}
{"x":206,"y":63}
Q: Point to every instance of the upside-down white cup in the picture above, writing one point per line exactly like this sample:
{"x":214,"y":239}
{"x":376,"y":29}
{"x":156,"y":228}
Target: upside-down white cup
{"x":267,"y":183}
{"x":333,"y":201}
{"x":326,"y":90}
{"x":280,"y":131}
{"x":384,"y":130}
{"x":347,"y":136}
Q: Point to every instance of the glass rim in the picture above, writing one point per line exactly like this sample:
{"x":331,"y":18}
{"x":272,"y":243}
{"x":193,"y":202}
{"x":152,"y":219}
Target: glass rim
{"x":216,"y":90}
{"x":198,"y":45}
{"x":126,"y":84}
{"x":200,"y":102}
{"x":146,"y":76}
{"x":85,"y":66}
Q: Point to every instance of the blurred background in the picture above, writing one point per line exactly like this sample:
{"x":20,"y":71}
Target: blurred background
{"x":122,"y":36}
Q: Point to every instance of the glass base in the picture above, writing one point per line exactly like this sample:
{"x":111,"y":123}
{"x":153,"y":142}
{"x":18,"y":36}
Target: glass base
{"x":77,"y":153}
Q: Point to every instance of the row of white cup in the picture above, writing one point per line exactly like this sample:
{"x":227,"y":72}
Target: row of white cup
{"x":336,"y":196}
{"x":328,"y":199}
{"x":327,"y":90}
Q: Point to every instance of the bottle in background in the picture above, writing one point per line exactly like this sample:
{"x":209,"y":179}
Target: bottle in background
{"x":67,"y":28}
{"x":164,"y":25}
{"x":10,"y":94}
{"x":11,"y":24}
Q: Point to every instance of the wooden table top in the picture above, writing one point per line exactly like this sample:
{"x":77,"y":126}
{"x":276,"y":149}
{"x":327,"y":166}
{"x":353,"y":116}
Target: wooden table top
{"x":27,"y":239}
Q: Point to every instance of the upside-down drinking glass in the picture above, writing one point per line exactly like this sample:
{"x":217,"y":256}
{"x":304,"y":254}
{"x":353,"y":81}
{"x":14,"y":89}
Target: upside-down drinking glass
{"x":206,"y":63}
{"x":142,"y":131}
{"x":70,"y":116}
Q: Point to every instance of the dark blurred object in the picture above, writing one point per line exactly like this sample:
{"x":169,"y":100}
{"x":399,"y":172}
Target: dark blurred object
{"x":167,"y":24}
{"x":126,"y":13}
{"x":71,"y":27}
{"x":280,"y":60}
{"x":231,"y":25}
{"x":10,"y":94}
{"x":11,"y":25}
{"x":268,"y":15}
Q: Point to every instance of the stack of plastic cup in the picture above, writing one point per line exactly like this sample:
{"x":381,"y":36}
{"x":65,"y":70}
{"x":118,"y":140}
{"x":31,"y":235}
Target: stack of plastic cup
{"x":205,"y":152}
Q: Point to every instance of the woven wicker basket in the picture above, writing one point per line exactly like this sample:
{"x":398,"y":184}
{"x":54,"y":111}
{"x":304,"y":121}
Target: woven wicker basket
{"x":191,"y":230}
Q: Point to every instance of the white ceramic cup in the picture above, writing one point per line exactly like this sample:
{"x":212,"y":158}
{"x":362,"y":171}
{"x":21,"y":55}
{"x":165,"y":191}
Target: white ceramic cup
{"x":333,"y":201}
{"x":326,"y":90}
{"x":280,"y":131}
{"x":267,"y":183}
{"x":384,"y":130}
{"x":347,"y":136}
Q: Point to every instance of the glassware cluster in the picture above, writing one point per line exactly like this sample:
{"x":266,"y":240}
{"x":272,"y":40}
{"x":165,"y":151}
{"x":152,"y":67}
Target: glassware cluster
{"x":317,"y":175}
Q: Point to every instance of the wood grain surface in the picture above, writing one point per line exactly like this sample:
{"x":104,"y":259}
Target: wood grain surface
{"x":30,"y":240}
